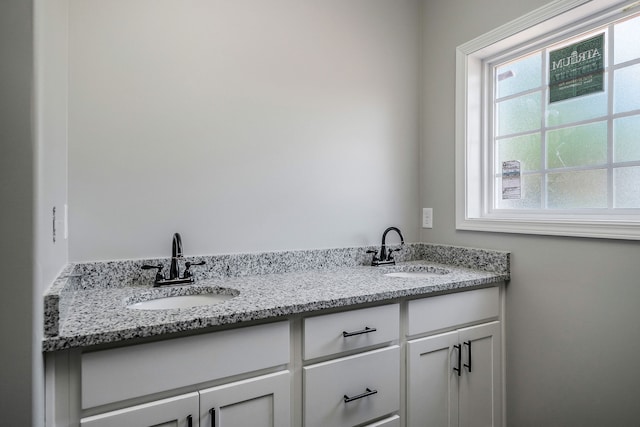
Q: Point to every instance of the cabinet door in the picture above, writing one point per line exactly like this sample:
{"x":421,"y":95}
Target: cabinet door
{"x":257,"y":402}
{"x":432,"y":384}
{"x":481,"y":385}
{"x":180,"y":411}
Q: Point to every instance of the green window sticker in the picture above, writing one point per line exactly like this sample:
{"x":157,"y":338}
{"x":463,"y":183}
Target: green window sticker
{"x":577,"y":69}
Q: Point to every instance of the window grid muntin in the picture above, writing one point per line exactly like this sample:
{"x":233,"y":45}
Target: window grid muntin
{"x":610,"y":95}
{"x":544,"y":49}
{"x":544,"y":146}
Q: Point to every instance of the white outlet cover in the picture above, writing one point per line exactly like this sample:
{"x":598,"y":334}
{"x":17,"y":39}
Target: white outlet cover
{"x":427,"y":217}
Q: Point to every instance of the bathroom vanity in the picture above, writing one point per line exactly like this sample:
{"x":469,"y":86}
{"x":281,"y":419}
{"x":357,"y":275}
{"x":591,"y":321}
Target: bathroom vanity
{"x":342,"y":345}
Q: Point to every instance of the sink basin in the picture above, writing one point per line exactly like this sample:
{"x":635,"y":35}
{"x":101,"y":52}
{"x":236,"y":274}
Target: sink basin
{"x":182,"y":301}
{"x":415,"y":271}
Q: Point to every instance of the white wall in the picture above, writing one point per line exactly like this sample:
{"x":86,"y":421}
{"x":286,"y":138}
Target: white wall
{"x":572,"y":304}
{"x":49,"y":123}
{"x":19,"y":379}
{"x":246,"y":125}
{"x":51,"y":98}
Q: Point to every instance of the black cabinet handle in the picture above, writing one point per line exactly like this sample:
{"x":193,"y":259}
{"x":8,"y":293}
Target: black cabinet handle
{"x":459,"y":348}
{"x":212,"y":412}
{"x":189,"y":421}
{"x":469,"y":364}
{"x":366,"y":330}
{"x":368,"y":392}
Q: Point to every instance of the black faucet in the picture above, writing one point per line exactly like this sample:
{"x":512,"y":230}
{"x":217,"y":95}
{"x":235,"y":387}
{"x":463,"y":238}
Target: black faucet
{"x":174,"y":270}
{"x":386,"y":258}
{"x":176,"y":253}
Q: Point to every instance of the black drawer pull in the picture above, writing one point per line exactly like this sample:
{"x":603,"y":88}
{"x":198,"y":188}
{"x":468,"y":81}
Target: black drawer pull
{"x":212,"y":411}
{"x":368,"y":392}
{"x":366,"y":330}
{"x":469,"y":364}
{"x":459,"y":348}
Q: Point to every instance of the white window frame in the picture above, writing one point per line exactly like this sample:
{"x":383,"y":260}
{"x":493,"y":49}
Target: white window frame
{"x":554,"y":20}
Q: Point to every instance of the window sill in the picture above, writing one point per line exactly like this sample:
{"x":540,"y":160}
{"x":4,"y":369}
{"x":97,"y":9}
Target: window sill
{"x":572,"y":228}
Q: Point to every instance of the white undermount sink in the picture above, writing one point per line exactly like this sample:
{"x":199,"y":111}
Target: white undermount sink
{"x":182,"y":301}
{"x":415,"y":271}
{"x":414,"y":274}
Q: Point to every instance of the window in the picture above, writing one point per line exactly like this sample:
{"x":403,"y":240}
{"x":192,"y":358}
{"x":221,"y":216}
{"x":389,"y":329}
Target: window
{"x":548,"y":123}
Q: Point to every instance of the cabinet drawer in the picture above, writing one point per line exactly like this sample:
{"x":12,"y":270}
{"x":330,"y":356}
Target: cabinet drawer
{"x":138,"y":370}
{"x":375,"y":376}
{"x":452,"y":310}
{"x":324,"y":335}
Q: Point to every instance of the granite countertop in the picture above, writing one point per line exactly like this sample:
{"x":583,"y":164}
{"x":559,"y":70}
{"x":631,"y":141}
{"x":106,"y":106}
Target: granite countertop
{"x":90,"y":315}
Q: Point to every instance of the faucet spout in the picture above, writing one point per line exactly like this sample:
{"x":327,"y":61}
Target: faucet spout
{"x":174,"y":271}
{"x":386,"y":258}
{"x":383,"y":247}
{"x":176,"y":253}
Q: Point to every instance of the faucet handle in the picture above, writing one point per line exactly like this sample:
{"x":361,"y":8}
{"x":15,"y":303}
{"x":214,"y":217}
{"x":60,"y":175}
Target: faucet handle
{"x":391,"y":251}
{"x":188,"y":265}
{"x":159,"y":275}
{"x":375,"y":256}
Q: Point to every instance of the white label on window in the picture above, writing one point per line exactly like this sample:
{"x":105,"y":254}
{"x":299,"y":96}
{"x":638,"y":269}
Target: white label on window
{"x":511,"y":187}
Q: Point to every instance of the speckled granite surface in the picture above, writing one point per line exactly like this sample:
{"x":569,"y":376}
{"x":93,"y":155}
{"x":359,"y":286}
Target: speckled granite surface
{"x":87,"y":305}
{"x":56,"y":302}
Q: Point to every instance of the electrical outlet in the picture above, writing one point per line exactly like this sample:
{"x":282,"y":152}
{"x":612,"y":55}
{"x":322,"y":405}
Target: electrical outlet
{"x":427,"y":218}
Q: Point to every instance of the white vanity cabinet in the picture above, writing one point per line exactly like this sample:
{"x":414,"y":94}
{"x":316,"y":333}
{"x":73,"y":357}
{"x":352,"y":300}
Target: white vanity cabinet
{"x":361,"y":387}
{"x":454,"y":378}
{"x":433,"y":361}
